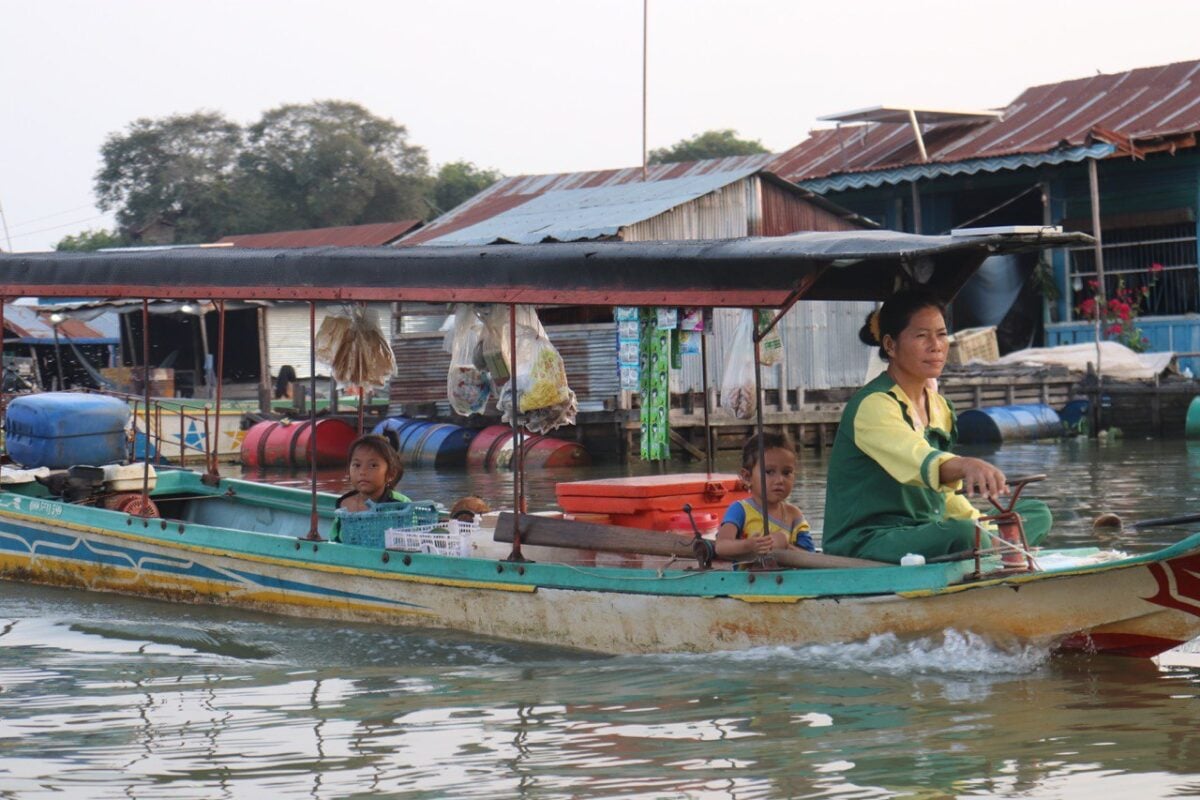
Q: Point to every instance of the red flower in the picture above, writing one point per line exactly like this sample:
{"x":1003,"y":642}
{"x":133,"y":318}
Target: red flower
{"x":1156,"y":267}
{"x":1092,"y":284}
{"x":1115,"y":329}
{"x":1088,"y":307}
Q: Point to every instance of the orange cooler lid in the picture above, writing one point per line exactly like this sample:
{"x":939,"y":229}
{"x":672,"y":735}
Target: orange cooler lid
{"x":648,"y":485}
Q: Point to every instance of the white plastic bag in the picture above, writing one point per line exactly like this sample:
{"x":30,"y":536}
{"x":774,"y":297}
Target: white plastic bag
{"x":546,"y":401}
{"x":467,"y":386}
{"x":737,"y":381}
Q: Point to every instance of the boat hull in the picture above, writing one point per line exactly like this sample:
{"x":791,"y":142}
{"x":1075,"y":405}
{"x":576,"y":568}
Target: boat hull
{"x":1135,"y":607}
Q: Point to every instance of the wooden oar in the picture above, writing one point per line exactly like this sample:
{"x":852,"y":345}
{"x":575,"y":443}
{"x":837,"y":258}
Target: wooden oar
{"x":1162,"y":522}
{"x":552,"y":532}
{"x":1109,"y":522}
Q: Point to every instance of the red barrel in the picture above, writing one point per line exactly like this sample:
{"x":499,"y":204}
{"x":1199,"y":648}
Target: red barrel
{"x":289,"y":444}
{"x":492,"y":449}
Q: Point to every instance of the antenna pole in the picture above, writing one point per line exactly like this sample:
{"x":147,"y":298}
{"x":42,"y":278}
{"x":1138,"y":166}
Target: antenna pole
{"x":645,"y":50}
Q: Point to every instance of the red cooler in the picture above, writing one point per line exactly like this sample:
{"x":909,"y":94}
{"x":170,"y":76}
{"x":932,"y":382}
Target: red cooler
{"x":655,"y":502}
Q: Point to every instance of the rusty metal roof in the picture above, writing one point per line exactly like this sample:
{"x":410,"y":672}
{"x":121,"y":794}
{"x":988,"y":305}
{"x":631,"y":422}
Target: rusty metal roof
{"x":373,"y":235}
{"x":508,"y":193}
{"x":1148,"y":108}
{"x":31,"y":325}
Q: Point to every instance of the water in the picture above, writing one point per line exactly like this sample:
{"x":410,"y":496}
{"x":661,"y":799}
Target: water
{"x":113,"y":697}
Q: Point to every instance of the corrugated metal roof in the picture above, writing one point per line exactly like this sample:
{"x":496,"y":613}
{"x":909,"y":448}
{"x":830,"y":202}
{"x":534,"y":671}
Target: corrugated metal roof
{"x":373,"y":235}
{"x":862,"y":180}
{"x":1141,"y":106}
{"x":508,"y":193}
{"x":31,"y":327}
{"x":570,"y":215}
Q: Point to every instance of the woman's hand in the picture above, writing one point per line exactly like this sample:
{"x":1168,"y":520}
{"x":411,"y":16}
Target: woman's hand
{"x":979,"y":478}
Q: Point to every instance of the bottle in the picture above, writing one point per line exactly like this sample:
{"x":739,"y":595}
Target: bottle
{"x":912,"y":560}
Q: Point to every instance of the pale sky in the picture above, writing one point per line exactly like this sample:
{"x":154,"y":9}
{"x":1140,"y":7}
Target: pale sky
{"x":524,"y":86}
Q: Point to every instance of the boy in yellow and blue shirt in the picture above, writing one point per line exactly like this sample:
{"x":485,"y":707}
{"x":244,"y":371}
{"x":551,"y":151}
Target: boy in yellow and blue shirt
{"x":752,"y":528}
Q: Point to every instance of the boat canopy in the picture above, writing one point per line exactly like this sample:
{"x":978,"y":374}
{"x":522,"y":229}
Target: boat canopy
{"x":760,"y":271}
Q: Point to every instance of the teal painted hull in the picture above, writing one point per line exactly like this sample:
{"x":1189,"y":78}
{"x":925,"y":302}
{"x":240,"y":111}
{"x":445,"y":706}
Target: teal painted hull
{"x":239,"y":544}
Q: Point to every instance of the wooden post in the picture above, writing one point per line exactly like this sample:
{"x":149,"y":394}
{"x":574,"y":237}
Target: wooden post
{"x":264,"y":363}
{"x":1101,"y":290}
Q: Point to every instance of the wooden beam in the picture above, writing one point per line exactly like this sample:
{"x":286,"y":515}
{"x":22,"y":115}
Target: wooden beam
{"x":538,"y":531}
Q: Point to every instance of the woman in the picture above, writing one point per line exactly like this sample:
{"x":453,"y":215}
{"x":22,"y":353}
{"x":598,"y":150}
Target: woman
{"x":892,"y":478}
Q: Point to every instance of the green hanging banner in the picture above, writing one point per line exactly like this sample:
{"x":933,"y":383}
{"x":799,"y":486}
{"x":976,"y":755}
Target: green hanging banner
{"x":655,"y":386}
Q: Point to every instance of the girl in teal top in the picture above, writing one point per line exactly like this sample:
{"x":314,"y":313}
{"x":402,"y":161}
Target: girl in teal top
{"x":375,"y":469}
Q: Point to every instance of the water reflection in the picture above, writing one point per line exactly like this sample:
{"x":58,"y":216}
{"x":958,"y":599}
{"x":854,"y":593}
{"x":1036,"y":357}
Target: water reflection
{"x":104,"y":696}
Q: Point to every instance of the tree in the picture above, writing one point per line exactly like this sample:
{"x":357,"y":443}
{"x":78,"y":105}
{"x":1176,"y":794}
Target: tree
{"x":710,"y":144}
{"x":178,"y":170}
{"x":457,"y":182}
{"x":329,"y":163}
{"x":87,"y":241}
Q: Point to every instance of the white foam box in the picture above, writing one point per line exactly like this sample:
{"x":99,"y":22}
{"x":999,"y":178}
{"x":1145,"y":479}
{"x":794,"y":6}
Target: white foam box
{"x":127,"y":477}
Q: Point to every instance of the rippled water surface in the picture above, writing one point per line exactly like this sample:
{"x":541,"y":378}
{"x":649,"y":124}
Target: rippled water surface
{"x":102,"y":696}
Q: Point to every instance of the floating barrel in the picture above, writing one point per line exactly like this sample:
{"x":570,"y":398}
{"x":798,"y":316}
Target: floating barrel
{"x":1009,"y":424}
{"x":429,"y":444}
{"x":1075,"y":415}
{"x":1191,"y":426}
{"x":288,"y":444}
{"x":58,"y":429}
{"x":492,"y":449}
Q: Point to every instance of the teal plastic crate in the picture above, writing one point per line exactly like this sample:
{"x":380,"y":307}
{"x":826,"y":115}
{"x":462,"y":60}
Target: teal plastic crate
{"x":366,"y":528}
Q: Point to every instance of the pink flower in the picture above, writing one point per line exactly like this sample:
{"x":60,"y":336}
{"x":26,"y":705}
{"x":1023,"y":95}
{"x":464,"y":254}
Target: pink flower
{"x":1156,"y":267}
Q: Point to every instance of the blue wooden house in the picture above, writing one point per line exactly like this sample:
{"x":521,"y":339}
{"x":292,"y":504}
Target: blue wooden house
{"x":1031,"y":163}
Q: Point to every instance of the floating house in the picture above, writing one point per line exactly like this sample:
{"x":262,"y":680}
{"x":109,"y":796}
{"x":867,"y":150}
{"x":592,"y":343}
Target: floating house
{"x":710,"y":199}
{"x":1123,"y":144}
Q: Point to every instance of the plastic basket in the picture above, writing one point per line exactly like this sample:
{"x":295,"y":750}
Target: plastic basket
{"x":456,"y":541}
{"x":366,"y":528}
{"x":973,"y":344}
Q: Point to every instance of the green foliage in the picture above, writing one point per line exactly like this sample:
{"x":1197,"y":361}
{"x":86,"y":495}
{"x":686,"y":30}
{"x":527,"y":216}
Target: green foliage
{"x":179,"y":170}
{"x":457,"y":182}
{"x":710,"y":144}
{"x":330,"y":163}
{"x":300,"y":166}
{"x":87,"y":241}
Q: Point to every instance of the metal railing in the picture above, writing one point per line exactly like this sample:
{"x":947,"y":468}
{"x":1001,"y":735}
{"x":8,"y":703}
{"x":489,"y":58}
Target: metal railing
{"x":1129,"y":258}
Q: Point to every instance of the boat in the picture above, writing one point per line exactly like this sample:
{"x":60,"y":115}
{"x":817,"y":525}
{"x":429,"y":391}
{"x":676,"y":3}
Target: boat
{"x":202,"y":538}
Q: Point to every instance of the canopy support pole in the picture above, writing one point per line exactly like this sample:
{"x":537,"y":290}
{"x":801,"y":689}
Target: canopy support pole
{"x":708,"y":443}
{"x":2,"y":373}
{"x":313,"y":534}
{"x":215,"y":443}
{"x":144,"y":511}
{"x":518,"y":454}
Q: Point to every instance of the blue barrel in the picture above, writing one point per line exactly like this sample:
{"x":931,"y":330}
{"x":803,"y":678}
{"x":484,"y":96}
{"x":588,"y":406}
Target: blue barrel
{"x":61,"y":429}
{"x":1008,"y":424}
{"x":1074,"y":416}
{"x":429,"y":444}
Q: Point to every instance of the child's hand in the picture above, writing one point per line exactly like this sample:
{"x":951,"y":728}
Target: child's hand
{"x":761,"y":545}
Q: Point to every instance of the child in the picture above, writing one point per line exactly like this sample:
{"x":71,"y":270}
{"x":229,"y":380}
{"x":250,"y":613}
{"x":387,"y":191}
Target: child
{"x":375,"y":468}
{"x":741,"y":536}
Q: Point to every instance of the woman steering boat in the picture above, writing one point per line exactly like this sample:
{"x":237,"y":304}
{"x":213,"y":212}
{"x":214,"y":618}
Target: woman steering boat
{"x":893,"y":480}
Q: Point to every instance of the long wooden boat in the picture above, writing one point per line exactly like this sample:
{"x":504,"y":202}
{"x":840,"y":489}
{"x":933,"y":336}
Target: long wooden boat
{"x":244,"y":544}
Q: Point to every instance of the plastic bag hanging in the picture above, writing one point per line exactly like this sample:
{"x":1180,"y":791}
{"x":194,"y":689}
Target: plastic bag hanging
{"x":354,"y":346}
{"x":467,"y":382}
{"x":546,"y":401}
{"x":738,"y":395}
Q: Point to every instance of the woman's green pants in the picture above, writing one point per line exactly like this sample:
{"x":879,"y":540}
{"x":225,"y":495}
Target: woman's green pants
{"x":934,"y":539}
